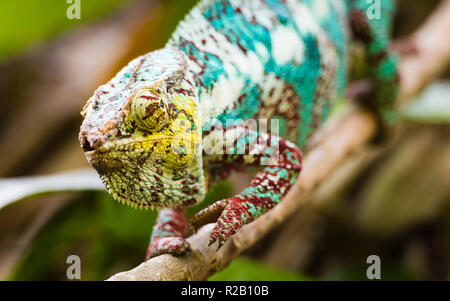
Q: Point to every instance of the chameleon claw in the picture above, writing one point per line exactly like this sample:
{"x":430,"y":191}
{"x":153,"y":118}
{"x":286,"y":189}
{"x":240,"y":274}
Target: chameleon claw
{"x":220,"y":246}
{"x":214,"y":240}
{"x":213,"y":237}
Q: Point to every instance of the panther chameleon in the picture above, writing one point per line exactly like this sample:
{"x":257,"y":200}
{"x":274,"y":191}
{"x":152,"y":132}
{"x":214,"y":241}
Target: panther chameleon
{"x":175,"y":121}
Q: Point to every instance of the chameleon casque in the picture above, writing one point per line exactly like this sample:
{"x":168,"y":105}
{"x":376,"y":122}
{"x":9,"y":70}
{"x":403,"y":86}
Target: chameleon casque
{"x":176,"y":120}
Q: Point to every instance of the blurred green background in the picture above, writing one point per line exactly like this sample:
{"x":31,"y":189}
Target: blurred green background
{"x":28,"y":22}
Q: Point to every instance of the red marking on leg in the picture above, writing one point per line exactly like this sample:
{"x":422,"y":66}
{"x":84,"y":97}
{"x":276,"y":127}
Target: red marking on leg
{"x":168,"y":233}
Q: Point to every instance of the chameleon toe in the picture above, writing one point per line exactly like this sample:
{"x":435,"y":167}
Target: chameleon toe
{"x":208,"y":215}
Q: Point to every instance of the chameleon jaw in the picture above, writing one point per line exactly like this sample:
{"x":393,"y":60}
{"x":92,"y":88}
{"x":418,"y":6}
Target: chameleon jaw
{"x":137,"y":175}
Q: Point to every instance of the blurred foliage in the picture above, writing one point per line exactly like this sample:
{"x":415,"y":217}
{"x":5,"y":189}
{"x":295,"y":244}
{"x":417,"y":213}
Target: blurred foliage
{"x":432,"y":106}
{"x":245,"y":269}
{"x":356,"y":271}
{"x":108,"y":237}
{"x":27,"y":22}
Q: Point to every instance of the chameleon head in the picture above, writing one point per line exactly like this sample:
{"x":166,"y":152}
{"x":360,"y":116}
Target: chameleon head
{"x":142,"y":133}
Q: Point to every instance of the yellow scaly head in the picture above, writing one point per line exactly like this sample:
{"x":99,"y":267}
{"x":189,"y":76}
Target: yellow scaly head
{"x":142,"y":133}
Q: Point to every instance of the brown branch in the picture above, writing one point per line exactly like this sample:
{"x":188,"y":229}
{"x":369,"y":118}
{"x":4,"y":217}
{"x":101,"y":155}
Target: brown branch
{"x":340,"y":137}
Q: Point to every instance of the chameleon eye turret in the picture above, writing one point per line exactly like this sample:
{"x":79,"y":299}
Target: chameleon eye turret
{"x":149,"y":110}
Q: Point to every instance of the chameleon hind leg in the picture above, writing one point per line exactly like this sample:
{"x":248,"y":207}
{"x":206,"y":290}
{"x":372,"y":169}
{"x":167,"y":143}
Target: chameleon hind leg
{"x":266,"y":189}
{"x":371,"y":23}
{"x":169,"y":233}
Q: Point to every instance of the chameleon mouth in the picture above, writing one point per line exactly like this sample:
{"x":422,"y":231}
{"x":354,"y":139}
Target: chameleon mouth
{"x":134,"y":174}
{"x":146,"y":188}
{"x":103,"y":164}
{"x":154,"y":171}
{"x":86,"y":146}
{"x":127,"y":144}
{"x":110,"y":156}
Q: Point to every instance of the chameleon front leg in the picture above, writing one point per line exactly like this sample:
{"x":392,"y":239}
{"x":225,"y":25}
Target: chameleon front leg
{"x":169,"y":233}
{"x":266,"y":189}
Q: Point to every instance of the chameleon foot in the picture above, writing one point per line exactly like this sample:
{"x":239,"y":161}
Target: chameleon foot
{"x":232,"y":214}
{"x":176,"y":246}
{"x":209,"y":214}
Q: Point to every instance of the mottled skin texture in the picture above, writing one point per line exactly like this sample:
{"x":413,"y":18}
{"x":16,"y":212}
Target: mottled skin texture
{"x":175,"y":121}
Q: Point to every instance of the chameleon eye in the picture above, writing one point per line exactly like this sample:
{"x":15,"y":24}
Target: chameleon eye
{"x":148,"y":110}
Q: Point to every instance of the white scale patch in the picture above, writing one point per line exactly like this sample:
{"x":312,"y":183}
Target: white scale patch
{"x":258,"y":10}
{"x":223,"y":96}
{"x":197,"y":29}
{"x":321,"y":8}
{"x":271,"y":82}
{"x":287,"y":46}
{"x":303,"y":17}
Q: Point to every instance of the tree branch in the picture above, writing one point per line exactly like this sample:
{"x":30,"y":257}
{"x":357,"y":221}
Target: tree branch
{"x":339,"y":138}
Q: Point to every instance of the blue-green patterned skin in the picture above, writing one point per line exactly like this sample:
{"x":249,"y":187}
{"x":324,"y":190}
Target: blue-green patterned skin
{"x":283,"y":60}
{"x":300,"y":45}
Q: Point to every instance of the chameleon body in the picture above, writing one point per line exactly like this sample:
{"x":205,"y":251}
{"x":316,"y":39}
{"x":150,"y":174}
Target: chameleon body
{"x":177,"y":120}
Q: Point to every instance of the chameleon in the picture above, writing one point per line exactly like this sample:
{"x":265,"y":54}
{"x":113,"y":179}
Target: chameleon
{"x":240,"y":84}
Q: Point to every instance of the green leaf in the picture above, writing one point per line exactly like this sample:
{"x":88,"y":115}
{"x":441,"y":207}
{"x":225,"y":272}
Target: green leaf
{"x":15,"y":189}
